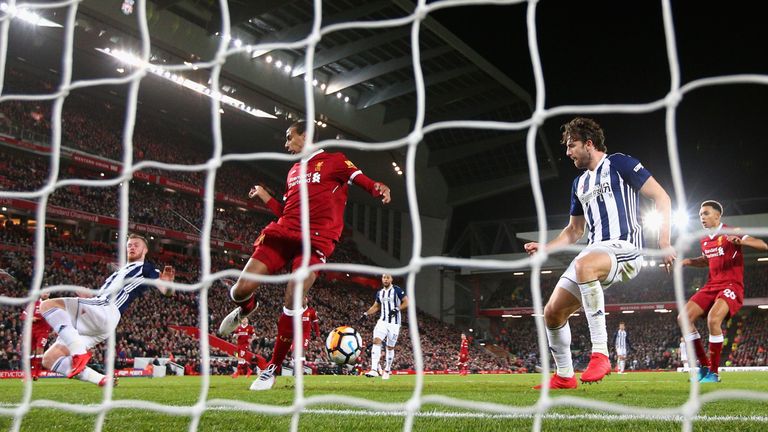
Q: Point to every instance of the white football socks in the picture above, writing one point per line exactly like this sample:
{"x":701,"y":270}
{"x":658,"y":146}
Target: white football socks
{"x":61,"y":323}
{"x":375,"y":357}
{"x":390,"y":357}
{"x":593,"y":302}
{"x":560,"y":346}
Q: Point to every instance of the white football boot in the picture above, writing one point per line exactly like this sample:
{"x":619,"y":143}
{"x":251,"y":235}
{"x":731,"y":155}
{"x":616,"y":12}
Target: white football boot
{"x":232,"y":321}
{"x":371,"y":374}
{"x":385,"y":375}
{"x":266,"y":379}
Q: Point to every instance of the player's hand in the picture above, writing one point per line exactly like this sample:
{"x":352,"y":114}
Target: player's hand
{"x":168,"y":274}
{"x":261,"y":192}
{"x":363,"y":318}
{"x":393,"y":312}
{"x":383,"y":191}
{"x":669,"y":257}
{"x":531,"y":247}
{"x":734,"y":239}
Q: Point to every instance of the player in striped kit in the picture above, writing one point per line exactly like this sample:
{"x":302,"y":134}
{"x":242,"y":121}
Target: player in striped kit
{"x":390,"y":302}
{"x":622,"y":345}
{"x":82,"y":323}
{"x":604,"y":203}
{"x":723,"y":294}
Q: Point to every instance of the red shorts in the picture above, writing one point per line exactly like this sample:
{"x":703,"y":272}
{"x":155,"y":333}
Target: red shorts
{"x":39,"y":340}
{"x":732,"y":294}
{"x":463,"y":359}
{"x":277,"y":246}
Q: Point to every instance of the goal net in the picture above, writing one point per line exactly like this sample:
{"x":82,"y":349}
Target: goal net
{"x":143,"y":65}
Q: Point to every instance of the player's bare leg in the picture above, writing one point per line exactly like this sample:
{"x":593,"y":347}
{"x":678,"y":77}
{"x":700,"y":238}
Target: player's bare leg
{"x":242,"y":293}
{"x":284,"y":339}
{"x":715,"y":317}
{"x":590,"y":270}
{"x":692,"y":313}
{"x":558,"y":309}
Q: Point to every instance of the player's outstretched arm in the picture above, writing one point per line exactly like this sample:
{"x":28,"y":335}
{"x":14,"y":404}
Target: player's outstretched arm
{"x":753,"y":242}
{"x":271,"y":203}
{"x":371,"y":310}
{"x":652,"y":190}
{"x":569,"y":235}
{"x":700,"y":261}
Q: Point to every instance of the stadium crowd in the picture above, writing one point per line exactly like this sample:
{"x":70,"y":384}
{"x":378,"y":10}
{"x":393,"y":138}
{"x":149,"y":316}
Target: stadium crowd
{"x":75,"y":256}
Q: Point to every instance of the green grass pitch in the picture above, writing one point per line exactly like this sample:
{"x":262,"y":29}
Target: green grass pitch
{"x":653,"y":390}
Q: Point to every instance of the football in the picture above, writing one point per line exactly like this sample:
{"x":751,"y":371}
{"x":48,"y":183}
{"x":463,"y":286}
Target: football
{"x":344,"y":345}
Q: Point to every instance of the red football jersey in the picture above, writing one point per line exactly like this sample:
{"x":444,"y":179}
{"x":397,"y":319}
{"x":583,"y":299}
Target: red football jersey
{"x":464,"y":350}
{"x":243,"y":334}
{"x":309,"y":321}
{"x":726,"y":261}
{"x":328,"y":177}
{"x":39,"y":324}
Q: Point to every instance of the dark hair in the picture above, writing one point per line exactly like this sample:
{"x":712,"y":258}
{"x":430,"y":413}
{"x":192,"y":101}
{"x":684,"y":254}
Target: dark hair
{"x":301,"y":127}
{"x":584,"y":129}
{"x":140,"y":237}
{"x":714,"y":204}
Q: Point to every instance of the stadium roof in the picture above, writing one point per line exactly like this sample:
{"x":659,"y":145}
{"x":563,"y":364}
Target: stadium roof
{"x":372,"y":67}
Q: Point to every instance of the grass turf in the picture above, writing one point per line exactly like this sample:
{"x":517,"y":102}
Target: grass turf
{"x":651,"y":390}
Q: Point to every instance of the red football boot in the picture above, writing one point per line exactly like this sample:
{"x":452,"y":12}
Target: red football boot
{"x":79,"y":362}
{"x":599,"y":366}
{"x":558,"y":382}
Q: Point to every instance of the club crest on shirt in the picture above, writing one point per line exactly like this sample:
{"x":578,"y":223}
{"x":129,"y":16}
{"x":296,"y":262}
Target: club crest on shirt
{"x":350,"y":164}
{"x":319,"y":165}
{"x":719,"y":240}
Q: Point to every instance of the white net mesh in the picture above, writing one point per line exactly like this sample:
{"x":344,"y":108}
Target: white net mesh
{"x":11,"y":10}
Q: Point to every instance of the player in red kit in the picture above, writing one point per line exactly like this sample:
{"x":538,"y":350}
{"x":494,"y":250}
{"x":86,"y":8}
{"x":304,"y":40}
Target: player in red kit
{"x":40,"y":332}
{"x":464,"y":355}
{"x":279,"y":245}
{"x":244,"y":334}
{"x":723,"y":294}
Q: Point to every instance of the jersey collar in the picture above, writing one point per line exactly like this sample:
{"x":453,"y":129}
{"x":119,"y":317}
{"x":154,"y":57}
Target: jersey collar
{"x":716,"y":231}
{"x":313,"y":155}
{"x":598,"y":164}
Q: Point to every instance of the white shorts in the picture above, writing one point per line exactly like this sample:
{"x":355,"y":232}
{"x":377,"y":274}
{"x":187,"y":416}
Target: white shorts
{"x":94,"y":322}
{"x":388,"y":331}
{"x":621,"y":352}
{"x":626,"y":262}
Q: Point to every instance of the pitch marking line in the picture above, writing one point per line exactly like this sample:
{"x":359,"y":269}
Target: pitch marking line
{"x":480,"y":415}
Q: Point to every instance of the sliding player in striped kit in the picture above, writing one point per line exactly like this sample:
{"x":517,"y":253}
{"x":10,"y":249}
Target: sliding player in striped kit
{"x":723,"y":294}
{"x":390,"y":302}
{"x":82,"y":323}
{"x":604,"y":199}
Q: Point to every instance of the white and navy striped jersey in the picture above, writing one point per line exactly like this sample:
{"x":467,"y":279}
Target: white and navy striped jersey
{"x":608,"y":199}
{"x":134,"y":275}
{"x":621,"y":341}
{"x":389,"y":299}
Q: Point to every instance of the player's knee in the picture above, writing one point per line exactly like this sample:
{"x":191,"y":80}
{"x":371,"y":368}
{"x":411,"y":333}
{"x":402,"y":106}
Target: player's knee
{"x":553,"y":316}
{"x":585,"y":269}
{"x":714,"y":323}
{"x":377,"y":341}
{"x":49,"y":304}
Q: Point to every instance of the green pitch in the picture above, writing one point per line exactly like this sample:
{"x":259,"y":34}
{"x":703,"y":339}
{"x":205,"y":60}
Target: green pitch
{"x":650,"y":390}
